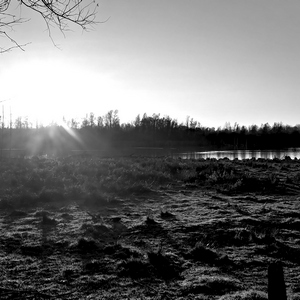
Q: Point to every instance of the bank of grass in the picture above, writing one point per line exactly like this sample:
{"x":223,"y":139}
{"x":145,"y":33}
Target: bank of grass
{"x":41,"y":179}
{"x":95,"y":179}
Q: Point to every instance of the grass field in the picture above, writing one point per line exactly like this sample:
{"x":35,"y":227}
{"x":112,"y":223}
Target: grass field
{"x":147,"y":228}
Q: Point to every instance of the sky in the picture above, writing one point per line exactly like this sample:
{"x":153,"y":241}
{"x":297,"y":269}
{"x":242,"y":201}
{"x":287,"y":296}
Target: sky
{"x":215,"y":61}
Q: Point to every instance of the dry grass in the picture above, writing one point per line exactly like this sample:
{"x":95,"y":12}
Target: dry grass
{"x":161,"y":228}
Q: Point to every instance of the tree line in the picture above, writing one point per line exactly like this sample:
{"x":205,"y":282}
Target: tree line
{"x":99,"y":132}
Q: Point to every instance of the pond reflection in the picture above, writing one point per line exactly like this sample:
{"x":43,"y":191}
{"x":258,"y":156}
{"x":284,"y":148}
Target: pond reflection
{"x":241,"y":154}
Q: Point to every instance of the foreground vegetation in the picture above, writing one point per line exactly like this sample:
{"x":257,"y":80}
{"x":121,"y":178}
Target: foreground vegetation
{"x":104,"y":179}
{"x":147,"y":228}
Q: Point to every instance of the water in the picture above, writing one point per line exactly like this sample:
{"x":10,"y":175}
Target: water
{"x":241,"y":154}
{"x":175,"y":153}
{"x":195,"y":154}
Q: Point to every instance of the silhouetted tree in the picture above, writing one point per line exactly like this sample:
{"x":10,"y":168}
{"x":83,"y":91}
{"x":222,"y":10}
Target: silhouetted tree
{"x":74,"y":124}
{"x":100,"y":123}
{"x":18,"y":122}
{"x":85,"y":122}
{"x":111,"y":119}
{"x":92,"y":120}
{"x":137,"y":121}
{"x":115,"y":119}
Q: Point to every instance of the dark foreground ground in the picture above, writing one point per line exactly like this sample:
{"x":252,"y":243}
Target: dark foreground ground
{"x":209,"y":235}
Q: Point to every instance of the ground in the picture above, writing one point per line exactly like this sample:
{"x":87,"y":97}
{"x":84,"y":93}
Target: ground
{"x":187,"y":240}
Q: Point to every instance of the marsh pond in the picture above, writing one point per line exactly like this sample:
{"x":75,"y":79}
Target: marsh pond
{"x":240,"y":154}
{"x":194,"y":153}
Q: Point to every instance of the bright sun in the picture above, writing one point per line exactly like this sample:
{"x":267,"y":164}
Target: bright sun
{"x":47,"y":91}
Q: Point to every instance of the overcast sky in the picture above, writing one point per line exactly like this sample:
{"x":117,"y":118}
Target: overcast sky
{"x":216,"y":61}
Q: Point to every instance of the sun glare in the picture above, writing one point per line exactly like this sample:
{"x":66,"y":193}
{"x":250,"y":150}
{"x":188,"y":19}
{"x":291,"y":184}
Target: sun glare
{"x":48,"y":91}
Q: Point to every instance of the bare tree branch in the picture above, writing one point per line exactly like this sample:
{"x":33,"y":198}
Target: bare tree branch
{"x":15,"y":43}
{"x":56,"y":13}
